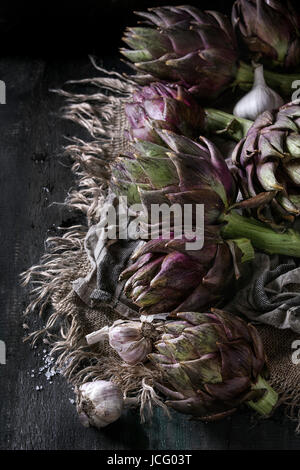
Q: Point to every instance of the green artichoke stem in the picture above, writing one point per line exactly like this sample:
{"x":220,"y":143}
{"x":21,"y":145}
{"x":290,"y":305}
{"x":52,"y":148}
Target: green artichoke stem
{"x":281,"y":82}
{"x":265,"y":405}
{"x":219,"y":122}
{"x":261,"y":236}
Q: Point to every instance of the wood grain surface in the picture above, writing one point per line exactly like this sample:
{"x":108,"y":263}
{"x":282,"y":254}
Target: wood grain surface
{"x":35,"y":175}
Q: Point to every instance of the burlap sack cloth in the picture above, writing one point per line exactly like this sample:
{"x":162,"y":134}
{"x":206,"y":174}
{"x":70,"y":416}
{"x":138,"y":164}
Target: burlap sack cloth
{"x":68,"y":276}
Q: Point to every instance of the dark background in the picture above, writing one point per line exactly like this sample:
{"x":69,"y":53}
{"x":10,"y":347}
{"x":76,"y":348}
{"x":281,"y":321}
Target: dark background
{"x":73,"y":28}
{"x":42,"y":46}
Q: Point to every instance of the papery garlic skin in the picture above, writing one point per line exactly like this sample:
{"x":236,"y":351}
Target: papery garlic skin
{"x":261,"y":98}
{"x":99,"y":403}
{"x":131,"y":340}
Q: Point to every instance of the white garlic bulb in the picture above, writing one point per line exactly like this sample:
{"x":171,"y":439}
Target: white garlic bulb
{"x":99,"y":403}
{"x":132,"y":340}
{"x":259,"y":99}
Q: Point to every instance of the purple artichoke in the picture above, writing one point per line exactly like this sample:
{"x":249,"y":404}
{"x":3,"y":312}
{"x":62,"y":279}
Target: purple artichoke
{"x":166,"y":278}
{"x":183,"y":44}
{"x":269,"y":29}
{"x":210,"y":364}
{"x":166,"y":107}
{"x":268,"y":164}
{"x":182,"y":171}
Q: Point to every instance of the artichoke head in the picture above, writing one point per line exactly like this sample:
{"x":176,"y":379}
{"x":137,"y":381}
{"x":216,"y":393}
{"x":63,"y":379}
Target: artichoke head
{"x":162,"y":106}
{"x":269,"y":30}
{"x":180,"y":171}
{"x":186,"y":45}
{"x":167,"y":278}
{"x":210,"y":364}
{"x":268,"y":165}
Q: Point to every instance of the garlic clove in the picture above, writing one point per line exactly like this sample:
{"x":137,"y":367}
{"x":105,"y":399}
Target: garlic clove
{"x":259,"y":99}
{"x":124,"y":333}
{"x":136,"y":351}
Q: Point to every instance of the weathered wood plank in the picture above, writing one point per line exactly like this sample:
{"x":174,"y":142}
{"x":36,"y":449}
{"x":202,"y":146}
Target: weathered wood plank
{"x":31,"y":140}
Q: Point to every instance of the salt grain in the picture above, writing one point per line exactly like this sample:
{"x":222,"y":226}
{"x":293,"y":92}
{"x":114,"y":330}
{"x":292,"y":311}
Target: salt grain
{"x":47,"y":368}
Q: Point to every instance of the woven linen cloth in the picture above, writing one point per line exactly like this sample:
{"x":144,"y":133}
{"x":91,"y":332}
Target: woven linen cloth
{"x":271,"y":294}
{"x":108,"y":258}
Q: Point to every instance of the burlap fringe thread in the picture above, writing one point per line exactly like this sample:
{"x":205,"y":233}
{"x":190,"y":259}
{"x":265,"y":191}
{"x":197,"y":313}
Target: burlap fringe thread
{"x":102,"y":115}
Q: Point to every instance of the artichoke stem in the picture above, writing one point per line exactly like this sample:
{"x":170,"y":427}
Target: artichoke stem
{"x":265,"y":405}
{"x":219,"y":122}
{"x":261,"y":236}
{"x":281,"y":82}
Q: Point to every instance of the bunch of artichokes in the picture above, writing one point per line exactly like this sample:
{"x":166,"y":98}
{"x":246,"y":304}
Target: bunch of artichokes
{"x":208,"y":363}
{"x":167,"y":277}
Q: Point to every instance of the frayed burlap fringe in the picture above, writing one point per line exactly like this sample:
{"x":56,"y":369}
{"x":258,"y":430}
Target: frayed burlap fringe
{"x":102,"y":115}
{"x":290,"y":398}
{"x":66,"y":260}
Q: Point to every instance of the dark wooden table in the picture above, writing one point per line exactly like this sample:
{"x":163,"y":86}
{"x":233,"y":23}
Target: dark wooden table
{"x":34,"y":175}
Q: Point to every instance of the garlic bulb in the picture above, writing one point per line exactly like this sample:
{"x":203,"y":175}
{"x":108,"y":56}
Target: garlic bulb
{"x":99,"y":403}
{"x":261,"y":98}
{"x":132,"y":340}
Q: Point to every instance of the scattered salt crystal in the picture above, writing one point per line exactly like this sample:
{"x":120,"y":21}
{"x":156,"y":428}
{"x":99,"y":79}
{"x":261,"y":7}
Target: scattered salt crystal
{"x":47,"y":368}
{"x":72,"y":401}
